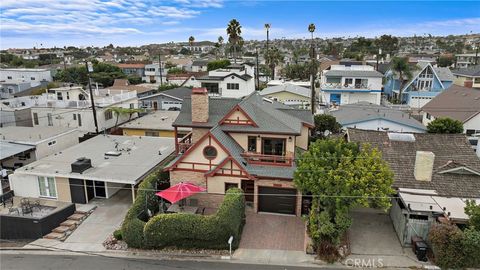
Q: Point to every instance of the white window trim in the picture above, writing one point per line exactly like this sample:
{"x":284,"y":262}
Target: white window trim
{"x":48,"y":190}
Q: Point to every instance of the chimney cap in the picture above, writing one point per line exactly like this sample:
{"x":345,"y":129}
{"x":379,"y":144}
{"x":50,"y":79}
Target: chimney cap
{"x":200,"y":90}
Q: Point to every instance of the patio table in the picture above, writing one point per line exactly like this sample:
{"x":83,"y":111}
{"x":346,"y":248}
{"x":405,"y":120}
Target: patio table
{"x":175,"y":208}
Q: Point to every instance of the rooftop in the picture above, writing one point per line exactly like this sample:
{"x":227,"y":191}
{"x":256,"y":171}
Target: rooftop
{"x":32,"y":135}
{"x":452,"y":152}
{"x":353,"y":73}
{"x":287,"y":87}
{"x":138,"y":156}
{"x":157,"y":120}
{"x":8,"y":149}
{"x":364,"y":111}
{"x":457,"y":102}
{"x":471,"y":71}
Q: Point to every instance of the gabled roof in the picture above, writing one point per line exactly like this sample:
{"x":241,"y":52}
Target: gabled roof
{"x":177,"y":93}
{"x":287,"y":87}
{"x":471,"y":71}
{"x":457,"y":102}
{"x":400,"y":155}
{"x":442,"y":74}
{"x":269,"y":117}
{"x":363,"y":111}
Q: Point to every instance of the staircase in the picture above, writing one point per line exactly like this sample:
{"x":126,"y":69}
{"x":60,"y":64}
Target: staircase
{"x":68,"y":226}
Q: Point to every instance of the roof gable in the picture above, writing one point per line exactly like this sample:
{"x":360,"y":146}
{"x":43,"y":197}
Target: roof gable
{"x":237,"y":116}
{"x":423,"y":66}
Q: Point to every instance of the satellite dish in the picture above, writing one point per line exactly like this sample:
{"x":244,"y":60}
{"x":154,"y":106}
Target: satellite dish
{"x":326,"y":133}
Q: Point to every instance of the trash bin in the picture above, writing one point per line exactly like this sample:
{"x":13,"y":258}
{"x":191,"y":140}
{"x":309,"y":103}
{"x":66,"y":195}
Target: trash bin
{"x":421,"y":250}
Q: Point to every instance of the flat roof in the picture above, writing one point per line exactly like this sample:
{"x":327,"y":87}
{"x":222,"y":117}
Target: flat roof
{"x":32,"y":135}
{"x":157,"y":120}
{"x":138,"y":156}
{"x":9,"y":149}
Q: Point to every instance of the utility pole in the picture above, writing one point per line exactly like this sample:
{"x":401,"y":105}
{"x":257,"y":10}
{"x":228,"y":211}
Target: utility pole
{"x":258,"y":70}
{"x":378,"y":56}
{"x":89,"y":67}
{"x":160,"y":68}
{"x":476,"y":53}
{"x":311,"y":29}
{"x":267,"y":27}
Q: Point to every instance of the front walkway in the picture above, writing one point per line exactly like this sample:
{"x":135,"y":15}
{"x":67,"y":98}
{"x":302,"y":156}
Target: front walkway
{"x":91,"y":233}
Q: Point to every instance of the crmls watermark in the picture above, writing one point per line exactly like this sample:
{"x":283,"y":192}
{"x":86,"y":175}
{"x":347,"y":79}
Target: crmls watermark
{"x":365,"y":263}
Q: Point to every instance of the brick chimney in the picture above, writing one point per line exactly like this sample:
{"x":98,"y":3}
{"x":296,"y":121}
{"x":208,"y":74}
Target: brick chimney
{"x":424,"y":166}
{"x":200,"y":105}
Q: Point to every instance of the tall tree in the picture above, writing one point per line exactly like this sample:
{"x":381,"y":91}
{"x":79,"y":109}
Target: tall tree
{"x":273,"y":57}
{"x":191,"y":40}
{"x":220,"y":43}
{"x":388,"y":44}
{"x":402,"y":69}
{"x":234,"y":31}
{"x":445,"y":125}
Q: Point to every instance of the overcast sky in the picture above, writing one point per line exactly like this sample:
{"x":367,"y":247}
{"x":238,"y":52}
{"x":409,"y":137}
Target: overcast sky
{"x":28,"y":23}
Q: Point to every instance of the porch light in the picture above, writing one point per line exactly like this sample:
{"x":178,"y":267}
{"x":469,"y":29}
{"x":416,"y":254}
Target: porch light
{"x":289,"y":139}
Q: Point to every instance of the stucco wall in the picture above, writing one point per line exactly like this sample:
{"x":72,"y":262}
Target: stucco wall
{"x":242,"y":140}
{"x":63,"y":189}
{"x":58,"y":143}
{"x":302,"y":140}
{"x":198,"y":133}
{"x":141,"y":132}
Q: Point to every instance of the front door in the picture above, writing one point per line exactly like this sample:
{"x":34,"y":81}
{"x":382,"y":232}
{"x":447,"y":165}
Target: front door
{"x":100,"y":189}
{"x":77,"y":191}
{"x":155,"y":105}
{"x":248,"y":187}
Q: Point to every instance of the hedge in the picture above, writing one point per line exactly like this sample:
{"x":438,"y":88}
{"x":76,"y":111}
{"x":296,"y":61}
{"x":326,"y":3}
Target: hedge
{"x":454,"y":248}
{"x":132,"y":227}
{"x":196,"y":231}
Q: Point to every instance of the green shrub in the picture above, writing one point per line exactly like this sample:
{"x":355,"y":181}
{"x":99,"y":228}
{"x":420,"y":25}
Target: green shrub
{"x":117,"y":234}
{"x":197,"y":231}
{"x":471,"y":243}
{"x":447,"y":247}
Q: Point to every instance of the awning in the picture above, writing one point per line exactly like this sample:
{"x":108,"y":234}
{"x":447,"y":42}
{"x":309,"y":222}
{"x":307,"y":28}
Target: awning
{"x":9,"y":149}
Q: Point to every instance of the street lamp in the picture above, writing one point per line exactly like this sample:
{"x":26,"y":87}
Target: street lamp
{"x":311,"y":29}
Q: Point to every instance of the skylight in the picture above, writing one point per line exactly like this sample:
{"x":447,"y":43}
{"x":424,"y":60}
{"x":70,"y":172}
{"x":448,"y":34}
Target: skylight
{"x":401,"y":137}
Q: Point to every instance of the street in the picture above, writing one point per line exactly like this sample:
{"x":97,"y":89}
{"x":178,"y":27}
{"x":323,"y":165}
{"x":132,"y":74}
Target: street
{"x":28,"y":261}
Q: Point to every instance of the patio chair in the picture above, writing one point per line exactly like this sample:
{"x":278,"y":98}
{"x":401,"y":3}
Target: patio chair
{"x":13,"y":209}
{"x":193,"y":202}
{"x":201,"y":211}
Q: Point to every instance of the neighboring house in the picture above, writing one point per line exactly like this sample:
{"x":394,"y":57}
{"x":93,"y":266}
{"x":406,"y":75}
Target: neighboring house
{"x":369,"y":116}
{"x":96,"y":168}
{"x":71,"y":107}
{"x":120,"y":85}
{"x":249,"y":143}
{"x":327,"y":61}
{"x":351,"y":84}
{"x":152,"y":73}
{"x":468,"y":77}
{"x":15,"y":80}
{"x":15,"y":113}
{"x":235,"y":81}
{"x":20,"y":146}
{"x":165,"y":100}
{"x":185,"y":79}
{"x":427,"y":82}
{"x":464,"y":60}
{"x":133,"y":69}
{"x":459,"y":103}
{"x":289,"y":94}
{"x":155,"y":124}
{"x":434,"y":174}
{"x":306,"y":84}
{"x":199,"y":66}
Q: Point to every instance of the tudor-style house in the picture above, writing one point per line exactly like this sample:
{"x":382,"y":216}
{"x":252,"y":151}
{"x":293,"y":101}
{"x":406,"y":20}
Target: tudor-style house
{"x":248,"y":143}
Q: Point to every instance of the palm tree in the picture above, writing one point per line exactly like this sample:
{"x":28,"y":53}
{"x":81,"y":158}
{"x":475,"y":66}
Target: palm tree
{"x":234,"y":30}
{"x":220,"y":43}
{"x":311,"y":29}
{"x":402,"y":69}
{"x":274,"y":57}
{"x":191,"y":39}
{"x":122,"y":111}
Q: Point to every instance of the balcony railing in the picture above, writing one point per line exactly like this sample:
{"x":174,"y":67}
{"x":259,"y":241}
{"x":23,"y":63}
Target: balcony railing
{"x":184,"y":143}
{"x":345,"y":86}
{"x":260,"y":159}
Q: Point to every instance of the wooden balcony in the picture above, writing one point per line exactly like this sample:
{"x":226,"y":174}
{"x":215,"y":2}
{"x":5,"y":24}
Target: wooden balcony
{"x":269,"y":160}
{"x":182,"y":144}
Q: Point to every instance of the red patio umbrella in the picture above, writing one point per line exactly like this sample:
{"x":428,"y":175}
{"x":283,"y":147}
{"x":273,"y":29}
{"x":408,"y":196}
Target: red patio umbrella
{"x":179,"y":191}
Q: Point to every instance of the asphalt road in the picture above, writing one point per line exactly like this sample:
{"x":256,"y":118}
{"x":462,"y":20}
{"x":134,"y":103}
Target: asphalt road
{"x":69,"y":262}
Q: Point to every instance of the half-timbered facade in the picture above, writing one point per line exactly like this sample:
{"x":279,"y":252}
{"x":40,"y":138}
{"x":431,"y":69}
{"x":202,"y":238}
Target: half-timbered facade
{"x":248,"y":143}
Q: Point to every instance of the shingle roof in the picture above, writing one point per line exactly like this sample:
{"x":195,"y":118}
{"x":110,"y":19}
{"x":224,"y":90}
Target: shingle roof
{"x":400,"y":155}
{"x":287,"y":87}
{"x":457,"y":102}
{"x":473,"y":71}
{"x":353,"y":73}
{"x":363,"y":111}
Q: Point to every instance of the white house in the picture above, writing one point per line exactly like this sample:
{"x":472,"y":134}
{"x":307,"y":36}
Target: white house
{"x":32,"y":75}
{"x":152,"y":73}
{"x":235,"y":81}
{"x":351,"y":84}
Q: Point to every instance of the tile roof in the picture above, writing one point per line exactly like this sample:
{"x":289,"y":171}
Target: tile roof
{"x":473,"y":71}
{"x":364,"y":111}
{"x":353,"y":73}
{"x":286,"y":87}
{"x":447,"y":148}
{"x":457,"y":102}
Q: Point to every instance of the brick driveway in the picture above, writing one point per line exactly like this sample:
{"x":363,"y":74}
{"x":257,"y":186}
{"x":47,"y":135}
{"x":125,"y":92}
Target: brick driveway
{"x":267,"y":231}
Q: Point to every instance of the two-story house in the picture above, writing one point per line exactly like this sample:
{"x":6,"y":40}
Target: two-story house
{"x":425,"y":83}
{"x":152,"y":73}
{"x":249,"y":143}
{"x":235,"y":81}
{"x":344,"y":84}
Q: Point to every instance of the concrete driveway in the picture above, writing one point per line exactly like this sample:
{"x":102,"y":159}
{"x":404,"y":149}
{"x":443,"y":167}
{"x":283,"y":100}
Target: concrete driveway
{"x":90,"y":234}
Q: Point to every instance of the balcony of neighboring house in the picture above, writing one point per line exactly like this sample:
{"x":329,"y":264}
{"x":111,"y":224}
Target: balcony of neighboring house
{"x":183,"y":143}
{"x":346,"y":84}
{"x":268,"y":151}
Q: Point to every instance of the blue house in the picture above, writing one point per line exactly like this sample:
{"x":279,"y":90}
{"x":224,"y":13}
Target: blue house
{"x":426,"y":83}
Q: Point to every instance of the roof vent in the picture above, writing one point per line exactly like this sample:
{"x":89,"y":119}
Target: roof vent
{"x":81,"y":165}
{"x":401,"y":137}
{"x":112,"y":154}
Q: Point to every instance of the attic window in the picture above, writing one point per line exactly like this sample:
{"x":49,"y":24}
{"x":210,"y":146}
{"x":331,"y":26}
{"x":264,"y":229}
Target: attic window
{"x":210,"y":152}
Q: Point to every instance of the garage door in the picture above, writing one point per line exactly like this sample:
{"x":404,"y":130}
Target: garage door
{"x":277,"y":200}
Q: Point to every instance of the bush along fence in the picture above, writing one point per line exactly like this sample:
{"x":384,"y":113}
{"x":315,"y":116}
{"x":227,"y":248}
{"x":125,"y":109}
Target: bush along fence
{"x":182,"y":230}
